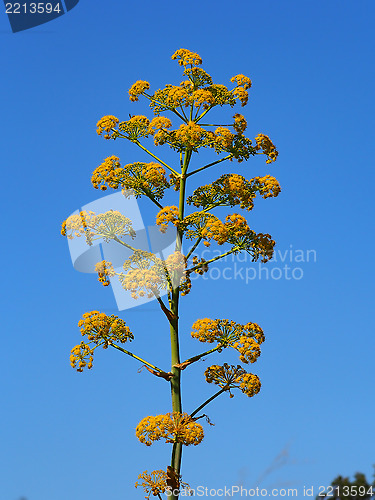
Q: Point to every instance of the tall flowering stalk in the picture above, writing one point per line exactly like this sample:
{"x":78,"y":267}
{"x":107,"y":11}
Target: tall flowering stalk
{"x":145,"y":274}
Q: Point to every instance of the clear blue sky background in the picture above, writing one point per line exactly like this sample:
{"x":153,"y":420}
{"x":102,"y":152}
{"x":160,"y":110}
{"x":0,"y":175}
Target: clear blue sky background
{"x":66,"y":435}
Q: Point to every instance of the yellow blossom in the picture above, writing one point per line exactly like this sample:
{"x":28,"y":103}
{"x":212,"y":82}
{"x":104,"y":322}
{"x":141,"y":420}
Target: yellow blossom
{"x":240,"y":123}
{"x":107,"y":124}
{"x":81,"y":355}
{"x":266,"y":145}
{"x":144,"y":274}
{"x":230,"y":377}
{"x":174,"y":427}
{"x":104,"y":270}
{"x":246,"y":339}
{"x":153,"y":483}
{"x":143,"y":178}
{"x":160,"y":122}
{"x":165,"y":216}
{"x":138,"y":89}
{"x":102,"y":329}
{"x":190,"y":136}
{"x":242,"y":80}
{"x":185,"y":57}
{"x":204,"y":98}
{"x":241,"y":94}
{"x":224,"y":137}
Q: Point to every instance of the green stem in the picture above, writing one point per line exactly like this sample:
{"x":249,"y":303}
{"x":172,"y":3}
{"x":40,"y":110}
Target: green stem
{"x":156,"y":158}
{"x":174,"y":303}
{"x":204,"y":113}
{"x":208,"y":401}
{"x":194,"y":247}
{"x":124,"y":244}
{"x":209,"y":165}
{"x":136,"y":357}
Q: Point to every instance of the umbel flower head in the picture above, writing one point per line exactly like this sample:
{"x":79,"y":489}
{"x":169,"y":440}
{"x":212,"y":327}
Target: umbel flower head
{"x":108,"y":225}
{"x":144,"y":275}
{"x":100,"y":330}
{"x":174,"y":427}
{"x":159,"y":481}
{"x":246,"y":339}
{"x":234,"y":189}
{"x":153,"y":483}
{"x":229,"y":377}
{"x":142,"y":178}
{"x":234,"y":230}
{"x":198,"y":91}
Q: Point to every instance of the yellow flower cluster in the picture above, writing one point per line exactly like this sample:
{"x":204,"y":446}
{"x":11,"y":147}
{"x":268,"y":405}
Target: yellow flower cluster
{"x":204,"y":98}
{"x":222,"y":95}
{"x":177,"y":96}
{"x":153,"y":483}
{"x":242,"y":84}
{"x":102,"y":329}
{"x":190,"y":136}
{"x":228,"y":190}
{"x":141,"y":282}
{"x":240,"y":123}
{"x":134,"y":128}
{"x":174,"y":427}
{"x":142,"y":178}
{"x":112,"y":224}
{"x":229,"y":377}
{"x":174,"y":181}
{"x":79,"y":224}
{"x":242,"y":95}
{"x":234,"y":231}
{"x":267,"y":186}
{"x":138,"y":89}
{"x":224,"y":138}
{"x":144,"y":273}
{"x":242,"y":80}
{"x":160,"y":123}
{"x":234,"y":227}
{"x":107,"y":124}
{"x":266,"y":145}
{"x":246,"y":339}
{"x":261,"y":245}
{"x":197,"y":77}
{"x":80,"y":356}
{"x":203,"y":266}
{"x":165,"y":216}
{"x":108,"y":225}
{"x":175,"y":267}
{"x":105,"y":270}
{"x":176,"y":262}
{"x":108,"y":172}
{"x":185,"y":57}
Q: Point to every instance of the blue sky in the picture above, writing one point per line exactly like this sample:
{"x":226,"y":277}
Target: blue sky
{"x":67,"y":435}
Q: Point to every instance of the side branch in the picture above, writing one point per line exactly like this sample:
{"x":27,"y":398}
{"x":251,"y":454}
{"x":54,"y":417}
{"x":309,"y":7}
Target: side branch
{"x":138,"y":358}
{"x":156,"y":158}
{"x":208,"y":401}
{"x":184,"y":364}
{"x":209,"y":165}
{"x":171,"y":317}
{"x":206,"y":262}
{"x":194,"y":247}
